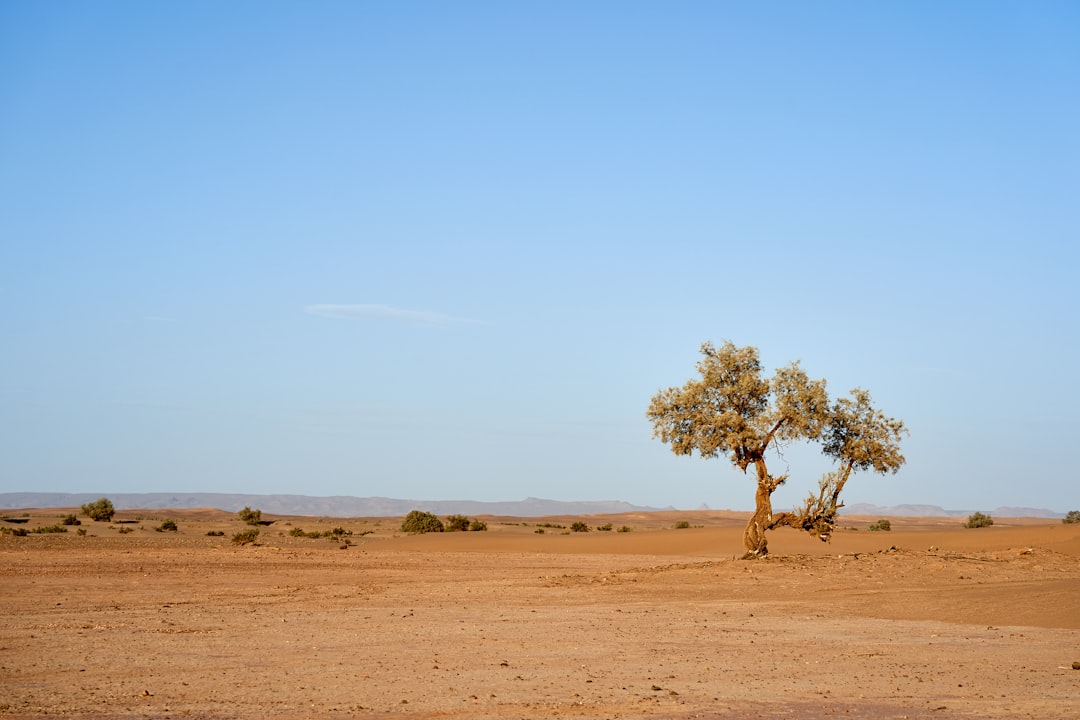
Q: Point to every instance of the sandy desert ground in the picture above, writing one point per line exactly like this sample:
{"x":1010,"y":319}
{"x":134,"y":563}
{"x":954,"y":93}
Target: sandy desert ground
{"x":929,"y":620}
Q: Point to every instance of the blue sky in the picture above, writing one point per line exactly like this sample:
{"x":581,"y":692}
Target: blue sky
{"x":449,"y":250}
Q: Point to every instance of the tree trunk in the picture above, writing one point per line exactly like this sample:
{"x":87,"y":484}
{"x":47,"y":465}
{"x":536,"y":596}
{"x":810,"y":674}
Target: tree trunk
{"x":762,"y":519}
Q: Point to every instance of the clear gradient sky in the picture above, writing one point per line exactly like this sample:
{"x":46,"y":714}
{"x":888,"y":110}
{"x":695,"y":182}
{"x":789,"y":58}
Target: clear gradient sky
{"x":449,"y":250}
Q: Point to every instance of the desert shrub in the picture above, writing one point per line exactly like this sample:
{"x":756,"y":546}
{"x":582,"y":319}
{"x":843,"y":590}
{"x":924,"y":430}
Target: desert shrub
{"x":1073,"y":516}
{"x":624,"y":528}
{"x":125,"y":530}
{"x":478,"y":526}
{"x":71,"y":520}
{"x":457,"y":523}
{"x":17,"y":532}
{"x":215,"y":533}
{"x":419,"y":522}
{"x":979,"y":520}
{"x":579,"y":526}
{"x":81,"y":531}
{"x":101,"y":510}
{"x":553,"y":526}
{"x":882,"y":524}
{"x":167,"y":525}
{"x":249,"y":516}
{"x":682,"y":524}
{"x":46,"y":529}
{"x":538,"y":531}
{"x":245,"y":537}
{"x":605,"y":528}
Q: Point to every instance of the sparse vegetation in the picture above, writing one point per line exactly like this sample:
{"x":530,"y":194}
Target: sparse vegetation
{"x":101,"y":510}
{"x":215,"y":533}
{"x":1071,"y":517}
{"x":881,"y":524}
{"x":167,"y":525}
{"x":551,"y":526}
{"x":605,"y":528}
{"x":17,"y":532}
{"x":682,"y":524}
{"x":249,"y":516}
{"x":538,"y":531}
{"x":624,"y":528}
{"x":579,"y":526}
{"x":246,"y":537}
{"x":125,"y":530}
{"x":48,"y":529}
{"x":457,"y":523}
{"x":478,"y":526}
{"x":419,"y":522}
{"x":81,"y":531}
{"x":71,"y":520}
{"x":978,"y":520}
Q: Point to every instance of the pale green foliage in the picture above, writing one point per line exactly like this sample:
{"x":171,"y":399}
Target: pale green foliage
{"x":1073,"y":516}
{"x":733,"y":411}
{"x":978,"y":520}
{"x":245,"y":537}
{"x":457,"y":523}
{"x":249,"y":516}
{"x":882,"y":524}
{"x":418,"y":521}
{"x":101,"y":510}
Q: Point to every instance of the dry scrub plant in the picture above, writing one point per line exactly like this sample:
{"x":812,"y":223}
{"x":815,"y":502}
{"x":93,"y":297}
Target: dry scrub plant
{"x":101,"y":510}
{"x":419,"y":522}
{"x":978,"y":520}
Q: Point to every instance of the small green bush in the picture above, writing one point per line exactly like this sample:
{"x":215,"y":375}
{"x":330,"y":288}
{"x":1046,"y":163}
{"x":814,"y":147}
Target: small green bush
{"x":101,"y":510}
{"x":419,"y":522}
{"x":215,"y":533}
{"x":552,"y":526}
{"x":249,"y":516}
{"x":1071,"y":517}
{"x":17,"y":532}
{"x":457,"y":523}
{"x":81,"y":531}
{"x":538,"y":531}
{"x":125,"y":530}
{"x":245,"y":537}
{"x":624,"y":528}
{"x":478,"y":526}
{"x":682,"y":524}
{"x":979,"y":520}
{"x":882,"y":524}
{"x":579,"y":526}
{"x":605,"y":528}
{"x":71,"y":520}
{"x":167,"y":525}
{"x":46,"y":529}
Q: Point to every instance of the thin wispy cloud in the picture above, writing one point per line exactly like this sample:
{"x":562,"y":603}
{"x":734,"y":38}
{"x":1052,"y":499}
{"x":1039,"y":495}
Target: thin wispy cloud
{"x":386,"y":313}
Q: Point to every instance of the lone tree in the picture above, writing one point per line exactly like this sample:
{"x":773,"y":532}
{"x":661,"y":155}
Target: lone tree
{"x":733,"y":411}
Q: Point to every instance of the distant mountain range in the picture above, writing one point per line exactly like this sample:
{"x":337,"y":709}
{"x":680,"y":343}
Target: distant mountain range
{"x":935,"y":511}
{"x":335,"y":506}
{"x":348,"y":506}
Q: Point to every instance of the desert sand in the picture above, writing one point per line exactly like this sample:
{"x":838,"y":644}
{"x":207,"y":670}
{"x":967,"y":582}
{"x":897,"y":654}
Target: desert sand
{"x":928,"y":620}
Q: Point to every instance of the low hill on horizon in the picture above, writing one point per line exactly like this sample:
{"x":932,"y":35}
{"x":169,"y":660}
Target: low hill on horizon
{"x":330,"y":506}
{"x":350,"y":506}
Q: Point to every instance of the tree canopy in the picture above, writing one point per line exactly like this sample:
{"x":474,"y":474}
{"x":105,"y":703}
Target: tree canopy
{"x":732,"y":410}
